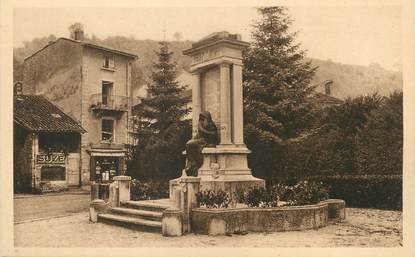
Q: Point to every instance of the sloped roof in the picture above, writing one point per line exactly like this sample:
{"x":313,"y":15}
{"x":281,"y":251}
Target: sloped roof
{"x":36,"y":113}
{"x":326,"y":100}
{"x":87,"y":44}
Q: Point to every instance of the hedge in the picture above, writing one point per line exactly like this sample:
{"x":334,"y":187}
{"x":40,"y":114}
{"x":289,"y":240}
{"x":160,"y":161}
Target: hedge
{"x":383,"y":192}
{"x":364,"y":191}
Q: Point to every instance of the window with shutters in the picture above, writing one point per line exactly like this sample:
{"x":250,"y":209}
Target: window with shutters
{"x":109,"y":62}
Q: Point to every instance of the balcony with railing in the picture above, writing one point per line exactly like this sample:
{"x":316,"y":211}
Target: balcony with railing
{"x":114,"y":103}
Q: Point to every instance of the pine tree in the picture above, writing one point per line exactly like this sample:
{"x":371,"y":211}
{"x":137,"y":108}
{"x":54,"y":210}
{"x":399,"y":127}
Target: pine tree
{"x":276,"y":88}
{"x":166,"y":103}
{"x":159,"y":122}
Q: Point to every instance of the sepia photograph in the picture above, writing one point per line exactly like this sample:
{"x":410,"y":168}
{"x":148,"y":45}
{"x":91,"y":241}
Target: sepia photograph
{"x":263,"y":125}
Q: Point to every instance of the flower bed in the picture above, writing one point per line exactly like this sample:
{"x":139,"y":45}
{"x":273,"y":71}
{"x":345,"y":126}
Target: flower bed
{"x":223,"y":221}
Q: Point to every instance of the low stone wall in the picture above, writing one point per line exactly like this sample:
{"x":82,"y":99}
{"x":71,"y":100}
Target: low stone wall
{"x":240,"y":220}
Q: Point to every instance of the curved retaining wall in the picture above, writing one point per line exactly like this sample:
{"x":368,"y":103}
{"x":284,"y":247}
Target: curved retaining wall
{"x":236,"y":220}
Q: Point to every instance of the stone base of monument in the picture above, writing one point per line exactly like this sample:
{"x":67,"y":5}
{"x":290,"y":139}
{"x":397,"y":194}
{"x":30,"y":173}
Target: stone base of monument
{"x":225,"y":167}
{"x":241,"y":220}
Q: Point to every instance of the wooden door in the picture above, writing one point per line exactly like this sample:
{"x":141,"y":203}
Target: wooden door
{"x":72,"y":169}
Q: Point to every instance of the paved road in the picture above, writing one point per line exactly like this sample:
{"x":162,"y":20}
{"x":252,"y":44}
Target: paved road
{"x":37,"y":207}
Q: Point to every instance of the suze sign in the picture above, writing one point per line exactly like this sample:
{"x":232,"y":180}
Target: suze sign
{"x":50,"y":159}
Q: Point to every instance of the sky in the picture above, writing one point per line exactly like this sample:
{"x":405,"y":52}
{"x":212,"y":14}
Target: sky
{"x":359,"y":35}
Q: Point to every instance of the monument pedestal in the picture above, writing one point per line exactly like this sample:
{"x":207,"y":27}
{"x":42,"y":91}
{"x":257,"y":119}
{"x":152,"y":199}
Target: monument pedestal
{"x":225,"y":167}
{"x":217,"y":88}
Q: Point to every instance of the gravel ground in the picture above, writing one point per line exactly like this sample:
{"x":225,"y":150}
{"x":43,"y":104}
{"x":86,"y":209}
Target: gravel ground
{"x":362,"y":228}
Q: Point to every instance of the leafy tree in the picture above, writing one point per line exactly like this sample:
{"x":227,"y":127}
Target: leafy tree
{"x":380,"y":141}
{"x":159,"y":123}
{"x":351,"y":116}
{"x":276,"y":88}
{"x":331,"y":148}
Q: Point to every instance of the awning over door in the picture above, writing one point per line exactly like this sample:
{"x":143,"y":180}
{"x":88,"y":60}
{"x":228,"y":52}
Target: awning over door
{"x":107,"y":152}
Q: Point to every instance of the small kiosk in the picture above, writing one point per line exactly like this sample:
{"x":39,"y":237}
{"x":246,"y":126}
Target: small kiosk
{"x":46,"y":146}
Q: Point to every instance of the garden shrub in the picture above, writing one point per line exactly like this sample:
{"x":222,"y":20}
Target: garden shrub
{"x":148,"y":190}
{"x":260,"y":197}
{"x":302,"y":193}
{"x":212,"y":199}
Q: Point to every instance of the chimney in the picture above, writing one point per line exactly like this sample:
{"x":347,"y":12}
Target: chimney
{"x":79,"y":35}
{"x":77,"y":31}
{"x":327,"y":86}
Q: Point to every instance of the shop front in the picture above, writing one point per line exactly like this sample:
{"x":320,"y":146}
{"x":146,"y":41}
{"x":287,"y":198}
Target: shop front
{"x":47,"y":146}
{"x":56,"y":171}
{"x":104,"y":165}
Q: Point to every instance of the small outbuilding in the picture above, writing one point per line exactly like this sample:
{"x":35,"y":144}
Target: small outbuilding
{"x":47,"y":145}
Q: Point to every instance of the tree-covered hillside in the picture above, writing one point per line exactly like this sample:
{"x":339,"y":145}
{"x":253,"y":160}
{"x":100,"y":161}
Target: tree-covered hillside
{"x":349,"y":80}
{"x":355,"y":80}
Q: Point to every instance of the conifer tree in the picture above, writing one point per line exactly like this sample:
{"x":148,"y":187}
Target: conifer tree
{"x":166,"y":103}
{"x":276,"y":88}
{"x":159,"y":121}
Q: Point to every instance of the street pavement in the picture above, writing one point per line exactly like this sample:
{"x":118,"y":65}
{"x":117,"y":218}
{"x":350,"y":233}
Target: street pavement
{"x":35,"y":207}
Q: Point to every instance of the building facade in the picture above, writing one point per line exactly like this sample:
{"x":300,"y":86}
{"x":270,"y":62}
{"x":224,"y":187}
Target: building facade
{"x":92,"y":84}
{"x":46,"y":146}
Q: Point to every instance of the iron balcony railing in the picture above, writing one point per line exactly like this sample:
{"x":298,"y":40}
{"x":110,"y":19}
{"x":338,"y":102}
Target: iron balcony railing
{"x":109,"y":102}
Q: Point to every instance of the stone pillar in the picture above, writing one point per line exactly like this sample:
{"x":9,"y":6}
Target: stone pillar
{"x":94,"y":190}
{"x":196,"y":101}
{"x":238,"y":136}
{"x":336,"y":209}
{"x":114,"y":196}
{"x":96,"y":207}
{"x":172,"y":222}
{"x":177,"y":198}
{"x":123,"y":183}
{"x":225,"y":105}
{"x":190,"y":187}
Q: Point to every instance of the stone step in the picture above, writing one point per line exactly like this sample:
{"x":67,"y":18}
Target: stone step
{"x":148,"y":205}
{"x":130,"y":222}
{"x":130,"y":212}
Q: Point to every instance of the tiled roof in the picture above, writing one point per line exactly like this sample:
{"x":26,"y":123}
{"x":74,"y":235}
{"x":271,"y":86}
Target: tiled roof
{"x":36,"y":113}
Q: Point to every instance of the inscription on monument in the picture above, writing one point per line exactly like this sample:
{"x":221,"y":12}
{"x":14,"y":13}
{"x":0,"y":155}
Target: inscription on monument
{"x":206,"y":55}
{"x":211,"y":93}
